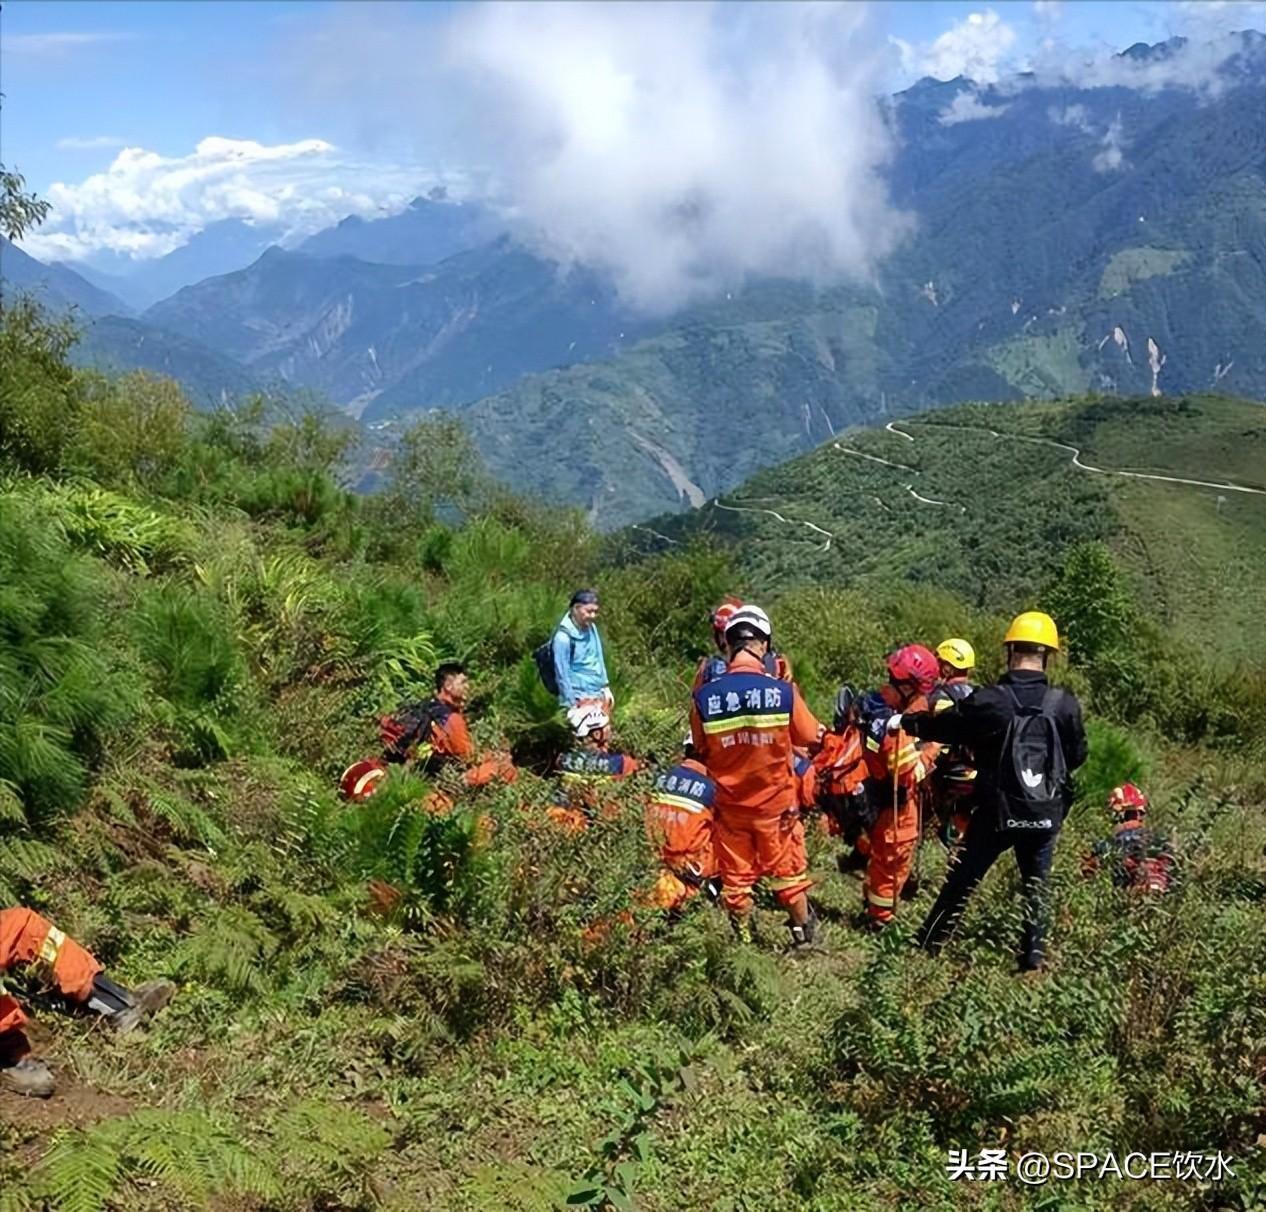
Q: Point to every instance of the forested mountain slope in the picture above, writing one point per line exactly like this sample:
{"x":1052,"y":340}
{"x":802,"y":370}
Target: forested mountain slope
{"x":981,"y":500}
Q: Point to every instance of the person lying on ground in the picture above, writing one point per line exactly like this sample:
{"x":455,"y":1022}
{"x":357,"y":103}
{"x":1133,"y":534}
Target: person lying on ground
{"x":27,"y":938}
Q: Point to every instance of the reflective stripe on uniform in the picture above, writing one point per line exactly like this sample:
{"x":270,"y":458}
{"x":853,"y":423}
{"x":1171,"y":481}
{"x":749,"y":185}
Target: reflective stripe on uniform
{"x":51,"y":947}
{"x":778,"y":883}
{"x":677,"y":801}
{"x":735,"y":722}
{"x":880,"y":902}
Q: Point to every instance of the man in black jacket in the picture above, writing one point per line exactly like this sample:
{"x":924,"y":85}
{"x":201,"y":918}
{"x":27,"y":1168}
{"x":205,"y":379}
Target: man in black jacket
{"x":983,"y":724}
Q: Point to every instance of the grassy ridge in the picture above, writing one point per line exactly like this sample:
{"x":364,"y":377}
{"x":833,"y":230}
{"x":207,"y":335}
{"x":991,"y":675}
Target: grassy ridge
{"x":1010,"y":508}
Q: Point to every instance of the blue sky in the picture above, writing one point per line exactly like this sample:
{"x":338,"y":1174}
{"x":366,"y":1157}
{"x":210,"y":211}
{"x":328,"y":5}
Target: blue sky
{"x":84,"y":78}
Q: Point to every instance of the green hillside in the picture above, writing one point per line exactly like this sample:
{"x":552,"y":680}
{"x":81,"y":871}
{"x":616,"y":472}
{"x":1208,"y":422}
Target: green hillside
{"x":999,"y":511}
{"x":409,"y":1005}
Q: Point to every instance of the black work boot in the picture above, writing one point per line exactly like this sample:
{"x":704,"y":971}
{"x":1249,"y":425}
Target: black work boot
{"x":147,"y":1000}
{"x":126,"y":1009}
{"x":852,"y":862}
{"x":804,"y":936}
{"x":28,"y":1077}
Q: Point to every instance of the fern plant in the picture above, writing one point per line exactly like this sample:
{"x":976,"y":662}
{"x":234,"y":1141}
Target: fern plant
{"x":189,"y":1154}
{"x":59,"y":695}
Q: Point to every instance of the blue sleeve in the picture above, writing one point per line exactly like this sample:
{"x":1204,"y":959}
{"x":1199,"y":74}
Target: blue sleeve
{"x":562,"y":667}
{"x":602,"y":656}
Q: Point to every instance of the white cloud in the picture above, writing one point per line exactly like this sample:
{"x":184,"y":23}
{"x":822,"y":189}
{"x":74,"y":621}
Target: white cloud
{"x":62,"y":43}
{"x":88,"y":142}
{"x":1195,"y":66}
{"x":678,"y":146}
{"x":146,"y":204}
{"x":1048,"y":10}
{"x":1072,"y":115}
{"x":1111,"y":155}
{"x":968,"y":107}
{"x":1112,"y":141}
{"x":977,"y":47}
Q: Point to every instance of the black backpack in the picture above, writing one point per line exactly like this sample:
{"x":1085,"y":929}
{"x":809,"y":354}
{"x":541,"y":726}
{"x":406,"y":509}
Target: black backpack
{"x":544,"y":658}
{"x":410,"y":727}
{"x":1032,"y":772}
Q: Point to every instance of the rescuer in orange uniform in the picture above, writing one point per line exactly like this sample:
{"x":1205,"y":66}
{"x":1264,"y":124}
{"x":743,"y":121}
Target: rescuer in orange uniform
{"x":27,"y":938}
{"x":842,"y":772}
{"x":711,"y":667}
{"x":430,"y":736}
{"x":588,"y":769}
{"x":954,"y":781}
{"x":679,"y":825}
{"x":898,"y":766}
{"x":745,"y":725}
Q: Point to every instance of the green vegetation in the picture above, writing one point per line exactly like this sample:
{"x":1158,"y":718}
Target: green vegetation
{"x":1001,"y":511}
{"x":1132,"y":265}
{"x":197,"y":626}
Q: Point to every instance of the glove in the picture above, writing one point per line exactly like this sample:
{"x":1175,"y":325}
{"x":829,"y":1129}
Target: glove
{"x":894,"y":723}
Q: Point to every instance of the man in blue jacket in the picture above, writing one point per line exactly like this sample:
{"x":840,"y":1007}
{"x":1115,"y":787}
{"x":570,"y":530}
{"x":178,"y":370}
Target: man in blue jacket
{"x":579,"y":664}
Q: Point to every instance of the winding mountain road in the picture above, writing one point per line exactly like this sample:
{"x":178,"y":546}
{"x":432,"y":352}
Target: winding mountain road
{"x":787,"y":521}
{"x":1073,"y":451}
{"x":1082,"y":466}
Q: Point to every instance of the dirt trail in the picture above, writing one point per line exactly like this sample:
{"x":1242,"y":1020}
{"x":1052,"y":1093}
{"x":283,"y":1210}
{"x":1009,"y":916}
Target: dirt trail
{"x":861,"y":454}
{"x":787,"y":521}
{"x":1101,"y":471}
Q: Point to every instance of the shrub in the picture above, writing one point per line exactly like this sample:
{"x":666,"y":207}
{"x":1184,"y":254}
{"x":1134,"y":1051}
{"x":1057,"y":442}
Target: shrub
{"x":59,"y":695}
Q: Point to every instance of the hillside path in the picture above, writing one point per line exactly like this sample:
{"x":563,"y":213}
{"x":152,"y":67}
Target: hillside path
{"x":787,"y":521}
{"x":1083,"y":466}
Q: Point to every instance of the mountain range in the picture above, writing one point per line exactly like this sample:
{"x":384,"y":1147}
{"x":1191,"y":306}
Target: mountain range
{"x":1068,"y":238}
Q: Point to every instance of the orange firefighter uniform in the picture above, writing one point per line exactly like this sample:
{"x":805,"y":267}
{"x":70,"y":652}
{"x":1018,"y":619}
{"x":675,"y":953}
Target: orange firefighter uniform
{"x":744,"y":726}
{"x":27,"y":938}
{"x":898,"y":766}
{"x":584,"y":776}
{"x":841,"y":771}
{"x":429,"y":735}
{"x":954,"y":780}
{"x":679,"y":825}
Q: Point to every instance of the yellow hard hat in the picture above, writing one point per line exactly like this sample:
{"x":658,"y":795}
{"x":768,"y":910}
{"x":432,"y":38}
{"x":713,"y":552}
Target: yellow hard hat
{"x":1033,"y":627}
{"x":958,"y":653}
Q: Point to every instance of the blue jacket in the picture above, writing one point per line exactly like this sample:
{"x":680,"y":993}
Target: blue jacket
{"x":579,"y":665}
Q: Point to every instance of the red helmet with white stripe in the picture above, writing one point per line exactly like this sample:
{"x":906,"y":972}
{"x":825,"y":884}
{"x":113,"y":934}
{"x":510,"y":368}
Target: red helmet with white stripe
{"x":1127,"y":798}
{"x":916,"y":664}
{"x":721,"y":617}
{"x":360,"y":780}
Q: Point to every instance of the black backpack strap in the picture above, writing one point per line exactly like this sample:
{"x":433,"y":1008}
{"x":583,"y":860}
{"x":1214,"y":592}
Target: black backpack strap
{"x":1051,"y":700}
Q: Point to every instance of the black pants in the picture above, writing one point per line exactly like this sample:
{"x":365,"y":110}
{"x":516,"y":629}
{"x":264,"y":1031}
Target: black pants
{"x":1033,"y":855}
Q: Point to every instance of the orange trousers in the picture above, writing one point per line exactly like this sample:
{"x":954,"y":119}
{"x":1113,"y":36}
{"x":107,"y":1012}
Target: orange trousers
{"x":496,"y":767}
{"x":752,"y":845}
{"x":890,"y":856}
{"x":27,"y":938}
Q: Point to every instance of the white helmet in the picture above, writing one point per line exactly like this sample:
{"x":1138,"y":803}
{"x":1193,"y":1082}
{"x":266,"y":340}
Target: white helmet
{"x":586,"y":720}
{"x":753,"y":618}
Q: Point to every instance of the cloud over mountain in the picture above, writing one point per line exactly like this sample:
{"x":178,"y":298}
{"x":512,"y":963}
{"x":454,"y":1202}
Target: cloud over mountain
{"x":145,"y":204}
{"x":680,"y":147}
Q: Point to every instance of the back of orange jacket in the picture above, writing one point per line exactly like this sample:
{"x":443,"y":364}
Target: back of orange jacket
{"x":745,"y":725}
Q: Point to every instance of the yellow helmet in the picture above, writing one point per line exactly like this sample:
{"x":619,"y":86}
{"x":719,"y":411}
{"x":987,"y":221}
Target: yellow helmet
{"x":1033,"y":627}
{"x":958,"y":653}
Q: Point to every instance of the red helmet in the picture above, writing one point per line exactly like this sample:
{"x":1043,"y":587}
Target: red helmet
{"x":722,"y":615}
{"x":1127,"y":798}
{"x":916,"y":664}
{"x":360,"y":780}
